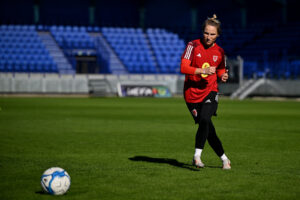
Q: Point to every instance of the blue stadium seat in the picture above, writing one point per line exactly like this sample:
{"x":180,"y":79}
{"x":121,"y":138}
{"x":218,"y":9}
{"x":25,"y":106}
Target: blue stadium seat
{"x":166,"y":46}
{"x":2,"y":65}
{"x":72,"y":37}
{"x":9,"y":66}
{"x":131,"y":46}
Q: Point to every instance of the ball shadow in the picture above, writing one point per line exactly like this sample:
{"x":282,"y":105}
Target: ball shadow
{"x":41,"y":192}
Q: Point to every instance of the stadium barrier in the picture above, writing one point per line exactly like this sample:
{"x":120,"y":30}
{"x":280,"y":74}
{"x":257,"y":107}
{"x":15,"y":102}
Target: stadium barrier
{"x":98,"y":85}
{"x":43,"y":83}
{"x":107,"y":85}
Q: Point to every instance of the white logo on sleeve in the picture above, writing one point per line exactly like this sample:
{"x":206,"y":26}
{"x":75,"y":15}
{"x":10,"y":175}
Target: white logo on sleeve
{"x":199,"y":55}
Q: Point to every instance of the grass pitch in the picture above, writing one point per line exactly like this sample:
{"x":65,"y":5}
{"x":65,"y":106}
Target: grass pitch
{"x":142,"y":148}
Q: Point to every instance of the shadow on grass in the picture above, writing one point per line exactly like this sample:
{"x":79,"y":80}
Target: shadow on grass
{"x":169,"y":161}
{"x":41,"y":192}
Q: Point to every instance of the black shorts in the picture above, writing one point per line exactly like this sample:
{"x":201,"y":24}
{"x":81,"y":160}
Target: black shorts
{"x":206,"y":109}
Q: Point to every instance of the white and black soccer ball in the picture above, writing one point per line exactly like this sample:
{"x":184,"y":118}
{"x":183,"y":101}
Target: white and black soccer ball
{"x":56,"y":181}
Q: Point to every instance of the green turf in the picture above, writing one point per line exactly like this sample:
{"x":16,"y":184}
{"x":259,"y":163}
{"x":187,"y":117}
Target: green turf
{"x":141,"y":148}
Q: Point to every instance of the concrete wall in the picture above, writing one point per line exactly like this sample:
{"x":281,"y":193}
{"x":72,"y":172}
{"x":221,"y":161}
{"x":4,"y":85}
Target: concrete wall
{"x":78,"y":84}
{"x":83,"y":84}
{"x":40,"y":83}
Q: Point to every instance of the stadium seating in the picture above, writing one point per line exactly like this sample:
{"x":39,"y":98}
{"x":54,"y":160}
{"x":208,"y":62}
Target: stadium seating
{"x":295,"y":69}
{"x":21,"y":50}
{"x":167,"y":48}
{"x":267,"y":50}
{"x":75,"y":37}
{"x":233,"y":39}
{"x":132,"y":48}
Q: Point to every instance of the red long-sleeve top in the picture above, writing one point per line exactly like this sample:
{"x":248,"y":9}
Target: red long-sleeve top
{"x":197,"y":87}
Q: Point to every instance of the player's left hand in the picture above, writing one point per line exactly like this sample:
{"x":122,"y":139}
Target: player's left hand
{"x":224,"y":76}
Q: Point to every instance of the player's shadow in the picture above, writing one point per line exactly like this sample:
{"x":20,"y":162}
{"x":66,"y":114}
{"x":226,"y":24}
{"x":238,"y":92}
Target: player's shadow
{"x":169,"y":161}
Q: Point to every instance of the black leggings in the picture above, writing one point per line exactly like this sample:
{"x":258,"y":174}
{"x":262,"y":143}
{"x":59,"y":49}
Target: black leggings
{"x":206,"y":130}
{"x":202,"y":114}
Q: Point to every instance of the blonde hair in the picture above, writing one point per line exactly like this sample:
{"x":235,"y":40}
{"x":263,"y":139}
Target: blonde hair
{"x":213,"y":21}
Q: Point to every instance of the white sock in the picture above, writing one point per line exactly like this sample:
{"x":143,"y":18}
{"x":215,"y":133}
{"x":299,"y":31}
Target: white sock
{"x":224,"y":157}
{"x":198,"y":152}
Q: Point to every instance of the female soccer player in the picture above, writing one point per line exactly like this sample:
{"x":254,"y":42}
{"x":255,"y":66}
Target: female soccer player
{"x":203,"y":62}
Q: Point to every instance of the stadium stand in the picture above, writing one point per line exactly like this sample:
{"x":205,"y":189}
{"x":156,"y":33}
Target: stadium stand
{"x":273,"y":50}
{"x":75,"y":37}
{"x":168,"y":48}
{"x":267,"y":39}
{"x":63,"y":64}
{"x":132,"y":48}
{"x":107,"y":58}
{"x":23,"y":51}
{"x":267,"y":50}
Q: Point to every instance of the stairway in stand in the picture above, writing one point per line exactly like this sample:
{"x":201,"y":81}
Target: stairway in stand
{"x":115,"y":64}
{"x":63,"y":65}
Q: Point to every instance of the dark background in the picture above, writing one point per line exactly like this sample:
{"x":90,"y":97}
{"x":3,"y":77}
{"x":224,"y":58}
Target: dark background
{"x":147,"y":13}
{"x":266,"y":33}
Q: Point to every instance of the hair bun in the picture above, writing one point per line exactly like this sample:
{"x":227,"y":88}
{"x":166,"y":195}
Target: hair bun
{"x":213,"y":21}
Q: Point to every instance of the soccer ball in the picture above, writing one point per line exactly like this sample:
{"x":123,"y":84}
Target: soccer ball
{"x":55,"y":181}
